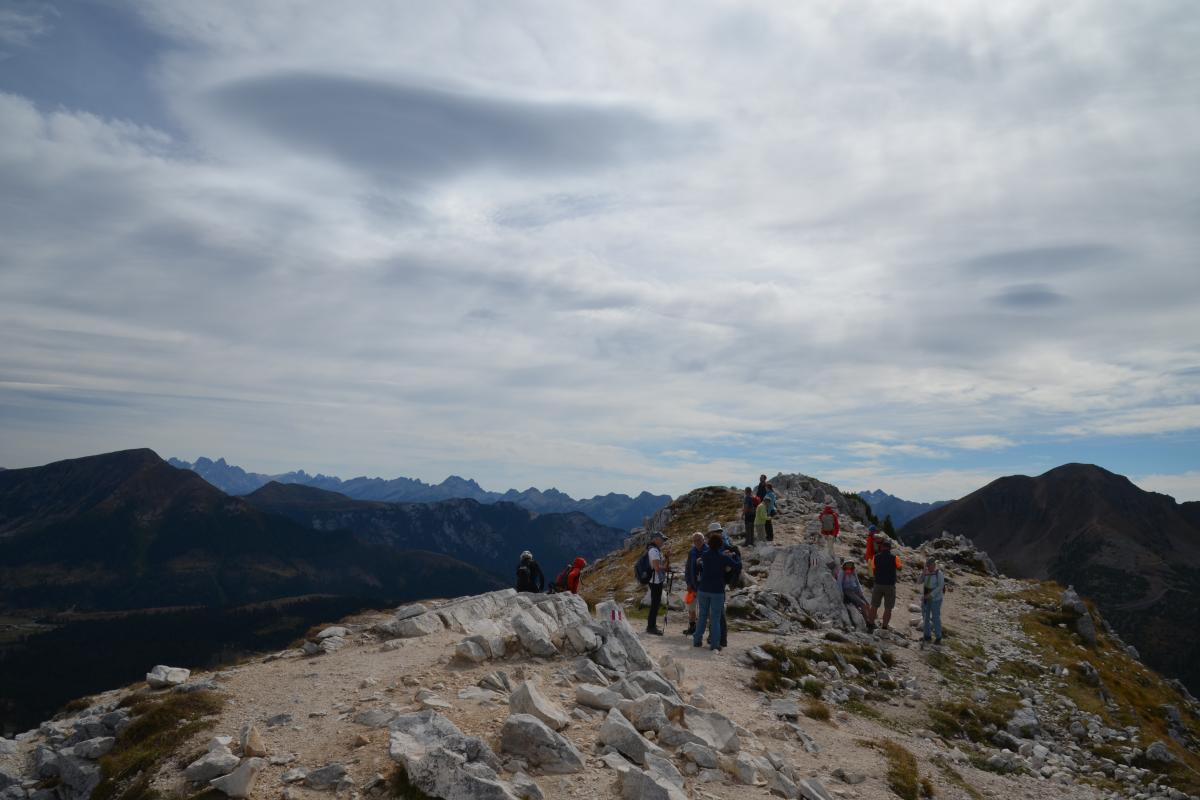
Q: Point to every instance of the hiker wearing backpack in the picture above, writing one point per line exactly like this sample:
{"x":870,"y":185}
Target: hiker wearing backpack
{"x":690,"y":575}
{"x":830,"y":526}
{"x":887,"y":566}
{"x":716,"y":564}
{"x":770,"y":499}
{"x":933,"y":585}
{"x":658,"y":575}
{"x":760,"y":491}
{"x":749,"y":507}
{"x":573,"y":576}
{"x":529,"y":574}
{"x":869,"y":555}
{"x":852,"y":593}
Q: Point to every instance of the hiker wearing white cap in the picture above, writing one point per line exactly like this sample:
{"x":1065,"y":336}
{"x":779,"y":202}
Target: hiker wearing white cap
{"x":658,"y":576}
{"x":529,"y":574}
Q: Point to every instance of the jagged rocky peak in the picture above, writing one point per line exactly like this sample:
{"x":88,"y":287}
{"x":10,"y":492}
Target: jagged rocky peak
{"x":507,"y":695}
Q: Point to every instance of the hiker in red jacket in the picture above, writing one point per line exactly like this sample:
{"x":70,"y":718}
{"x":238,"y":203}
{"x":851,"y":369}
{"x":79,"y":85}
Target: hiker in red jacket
{"x":573,"y":575}
{"x":870,"y":554}
{"x":830,"y":526}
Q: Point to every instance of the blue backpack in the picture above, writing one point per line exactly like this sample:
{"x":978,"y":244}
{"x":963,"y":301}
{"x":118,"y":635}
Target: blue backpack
{"x":642,"y":570}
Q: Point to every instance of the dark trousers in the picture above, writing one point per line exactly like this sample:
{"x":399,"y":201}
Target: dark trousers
{"x":656,"y":590}
{"x":770,"y":531}
{"x":748,"y":519}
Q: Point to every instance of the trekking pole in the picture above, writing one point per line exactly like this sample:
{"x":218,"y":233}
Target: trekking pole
{"x":670,"y":585}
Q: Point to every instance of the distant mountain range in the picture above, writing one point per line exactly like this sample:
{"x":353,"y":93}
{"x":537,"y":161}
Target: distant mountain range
{"x":126,"y":530}
{"x":901,"y":511}
{"x":615,"y":510}
{"x":488,"y":535}
{"x":1136,"y":553}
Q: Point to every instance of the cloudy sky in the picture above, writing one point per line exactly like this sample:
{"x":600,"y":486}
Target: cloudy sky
{"x":605,"y":246}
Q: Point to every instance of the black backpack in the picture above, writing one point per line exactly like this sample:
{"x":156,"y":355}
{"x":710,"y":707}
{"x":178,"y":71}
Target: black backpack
{"x":642,"y":570}
{"x":524,"y":578}
{"x":731,"y":577}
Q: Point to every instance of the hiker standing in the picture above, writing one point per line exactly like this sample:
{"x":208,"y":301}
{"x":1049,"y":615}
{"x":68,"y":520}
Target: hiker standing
{"x":529,"y":574}
{"x":830,"y":526}
{"x":690,"y":577}
{"x":658,"y":577}
{"x":760,"y":491}
{"x":933,"y":585}
{"x":573,"y":576}
{"x":884,"y":591}
{"x":716,"y":562}
{"x":852,"y":593}
{"x":749,"y":506}
{"x":770,"y":499}
{"x":869,"y":555}
{"x":761,"y":520}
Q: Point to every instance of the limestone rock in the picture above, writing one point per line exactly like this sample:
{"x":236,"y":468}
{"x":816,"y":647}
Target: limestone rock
{"x":533,"y":635}
{"x":92,"y":749}
{"x":800,"y":571}
{"x":326,"y":777}
{"x":251,"y":741}
{"x":639,"y":785}
{"x":1158,"y":753}
{"x":441,"y":761}
{"x":647,"y":713}
{"x":164,"y":677}
{"x":333,"y":630}
{"x":813,"y":789}
{"x":470,"y":651}
{"x":715,"y":729}
{"x":596,"y":697}
{"x":374,"y":717}
{"x":240,"y":782}
{"x":213,"y":764}
{"x":421,"y":625}
{"x":700,"y":755}
{"x":619,"y":733}
{"x":526,"y":699}
{"x":526,"y":788}
{"x":527,"y":737}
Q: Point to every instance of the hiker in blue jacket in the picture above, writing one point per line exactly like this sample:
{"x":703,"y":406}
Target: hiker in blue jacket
{"x":716,"y":563}
{"x":933,"y":585}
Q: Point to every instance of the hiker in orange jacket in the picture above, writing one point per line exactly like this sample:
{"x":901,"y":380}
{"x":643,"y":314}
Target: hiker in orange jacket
{"x":573,"y":575}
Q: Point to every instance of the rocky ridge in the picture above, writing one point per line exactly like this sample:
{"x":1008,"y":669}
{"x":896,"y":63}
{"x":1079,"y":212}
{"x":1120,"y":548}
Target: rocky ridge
{"x":504,"y":695}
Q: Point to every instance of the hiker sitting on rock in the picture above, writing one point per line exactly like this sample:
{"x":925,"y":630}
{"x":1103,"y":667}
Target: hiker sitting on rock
{"x":852,"y":593}
{"x":529,"y":574}
{"x":690,"y":577}
{"x":887,"y":566}
{"x":933,"y":584}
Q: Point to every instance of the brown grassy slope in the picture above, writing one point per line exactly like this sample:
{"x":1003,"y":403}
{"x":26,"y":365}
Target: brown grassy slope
{"x":612,"y":576}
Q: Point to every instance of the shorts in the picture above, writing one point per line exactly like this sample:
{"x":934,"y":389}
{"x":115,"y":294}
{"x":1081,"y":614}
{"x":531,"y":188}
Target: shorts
{"x":885,"y":593}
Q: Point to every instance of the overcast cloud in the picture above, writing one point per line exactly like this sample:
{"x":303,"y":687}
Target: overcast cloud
{"x":619,"y":246}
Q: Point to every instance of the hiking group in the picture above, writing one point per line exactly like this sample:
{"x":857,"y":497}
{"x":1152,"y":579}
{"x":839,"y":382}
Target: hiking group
{"x":714,"y":564}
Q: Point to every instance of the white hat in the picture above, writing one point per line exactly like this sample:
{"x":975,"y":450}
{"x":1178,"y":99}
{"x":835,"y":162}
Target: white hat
{"x":526,"y":555}
{"x":715,"y":527}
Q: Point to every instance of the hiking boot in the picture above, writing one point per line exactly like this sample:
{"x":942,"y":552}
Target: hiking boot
{"x":654,"y":631}
{"x":938,"y":640}
{"x":926,"y":639}
{"x":689,"y":630}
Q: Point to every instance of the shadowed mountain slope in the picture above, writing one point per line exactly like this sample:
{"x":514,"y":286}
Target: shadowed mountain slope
{"x":488,"y":535}
{"x":1136,"y":553}
{"x":127,"y":530}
